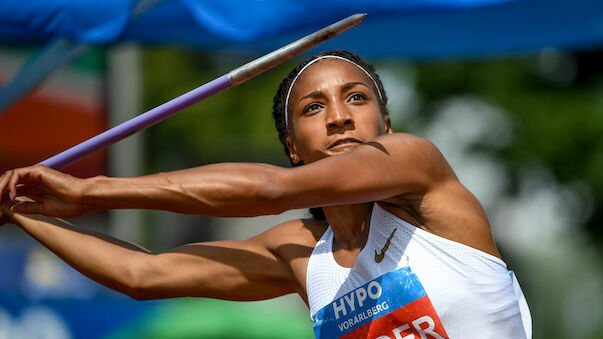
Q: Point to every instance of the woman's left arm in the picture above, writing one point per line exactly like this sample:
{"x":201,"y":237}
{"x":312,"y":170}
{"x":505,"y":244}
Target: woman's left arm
{"x":391,"y":165}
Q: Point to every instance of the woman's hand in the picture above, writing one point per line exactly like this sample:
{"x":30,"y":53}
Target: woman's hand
{"x":5,"y":204}
{"x":49,"y":192}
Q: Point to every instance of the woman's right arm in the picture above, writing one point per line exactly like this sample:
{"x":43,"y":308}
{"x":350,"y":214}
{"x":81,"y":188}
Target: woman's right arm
{"x":232,"y":270}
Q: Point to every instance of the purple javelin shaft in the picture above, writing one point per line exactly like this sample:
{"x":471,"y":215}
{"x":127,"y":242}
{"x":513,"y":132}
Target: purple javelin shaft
{"x":235,"y":77}
{"x":138,"y":123}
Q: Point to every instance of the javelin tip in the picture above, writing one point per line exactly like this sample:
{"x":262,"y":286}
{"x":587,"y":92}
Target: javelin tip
{"x":282,"y":54}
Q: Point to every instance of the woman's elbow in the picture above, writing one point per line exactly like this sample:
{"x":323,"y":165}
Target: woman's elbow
{"x":268,"y":193}
{"x":137,"y":281}
{"x":140,"y":294}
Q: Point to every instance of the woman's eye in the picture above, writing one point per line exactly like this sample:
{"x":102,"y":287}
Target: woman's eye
{"x":357,"y":97}
{"x":311,"y":107}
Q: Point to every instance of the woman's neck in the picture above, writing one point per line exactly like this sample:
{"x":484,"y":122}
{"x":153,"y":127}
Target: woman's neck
{"x":350,"y":224}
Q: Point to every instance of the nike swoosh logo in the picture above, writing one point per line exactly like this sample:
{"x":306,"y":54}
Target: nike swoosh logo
{"x":379,"y":256}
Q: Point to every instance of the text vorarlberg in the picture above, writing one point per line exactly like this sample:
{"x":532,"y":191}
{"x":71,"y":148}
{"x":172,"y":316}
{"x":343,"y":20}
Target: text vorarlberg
{"x":356,"y":299}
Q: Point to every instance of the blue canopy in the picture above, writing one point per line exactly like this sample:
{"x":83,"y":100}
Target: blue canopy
{"x":410,"y":28}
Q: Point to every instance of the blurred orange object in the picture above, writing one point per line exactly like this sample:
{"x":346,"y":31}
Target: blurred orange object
{"x":50,"y":120}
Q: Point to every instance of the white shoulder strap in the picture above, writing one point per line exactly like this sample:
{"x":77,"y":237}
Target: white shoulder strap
{"x":526,"y":316}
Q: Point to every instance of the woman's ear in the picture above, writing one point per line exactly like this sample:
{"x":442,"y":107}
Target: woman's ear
{"x":295,"y":157}
{"x":388,"y":124}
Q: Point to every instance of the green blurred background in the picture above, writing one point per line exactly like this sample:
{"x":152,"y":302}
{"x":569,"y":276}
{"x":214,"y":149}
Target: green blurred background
{"x":523,"y":132}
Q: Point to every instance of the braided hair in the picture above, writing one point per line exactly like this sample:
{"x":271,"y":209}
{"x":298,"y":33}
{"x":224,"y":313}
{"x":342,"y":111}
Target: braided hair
{"x":285,"y":128}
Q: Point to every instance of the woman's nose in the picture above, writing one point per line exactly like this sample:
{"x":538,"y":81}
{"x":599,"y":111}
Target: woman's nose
{"x":339,"y":117}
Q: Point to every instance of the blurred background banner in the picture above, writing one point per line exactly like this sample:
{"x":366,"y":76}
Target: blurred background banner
{"x":510,"y":91}
{"x":42,"y":297}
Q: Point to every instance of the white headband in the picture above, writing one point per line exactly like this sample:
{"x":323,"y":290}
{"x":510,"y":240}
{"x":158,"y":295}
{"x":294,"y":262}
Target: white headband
{"x":308,"y":65}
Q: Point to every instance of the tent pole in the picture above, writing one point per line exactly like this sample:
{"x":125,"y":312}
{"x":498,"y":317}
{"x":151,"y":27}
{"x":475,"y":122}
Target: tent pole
{"x":58,"y":52}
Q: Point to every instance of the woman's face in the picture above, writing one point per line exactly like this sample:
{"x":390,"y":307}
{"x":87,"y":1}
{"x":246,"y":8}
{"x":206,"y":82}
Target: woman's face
{"x":334,"y":107}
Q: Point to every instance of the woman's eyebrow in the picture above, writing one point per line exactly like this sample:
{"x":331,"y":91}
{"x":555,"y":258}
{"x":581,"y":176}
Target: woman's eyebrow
{"x":312,"y":95}
{"x":344,"y":87}
{"x":349,"y":85}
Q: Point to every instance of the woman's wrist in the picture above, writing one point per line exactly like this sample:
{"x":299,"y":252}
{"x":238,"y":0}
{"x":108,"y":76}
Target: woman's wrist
{"x":88,"y":193}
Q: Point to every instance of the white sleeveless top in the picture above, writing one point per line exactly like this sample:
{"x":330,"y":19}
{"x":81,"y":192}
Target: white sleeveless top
{"x":424,"y":286}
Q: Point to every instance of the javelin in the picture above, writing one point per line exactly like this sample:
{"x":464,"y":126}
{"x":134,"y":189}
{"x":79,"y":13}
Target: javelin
{"x":234,"y":77}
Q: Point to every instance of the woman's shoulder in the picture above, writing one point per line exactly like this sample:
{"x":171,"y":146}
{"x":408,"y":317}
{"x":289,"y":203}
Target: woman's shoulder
{"x":301,"y":230}
{"x":409,"y":141}
{"x":416,"y":155}
{"x":293,"y":233}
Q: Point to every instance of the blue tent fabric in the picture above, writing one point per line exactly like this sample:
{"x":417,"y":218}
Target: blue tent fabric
{"x":420,"y":29}
{"x":412,"y":29}
{"x":104,"y":21}
{"x":83,"y":21}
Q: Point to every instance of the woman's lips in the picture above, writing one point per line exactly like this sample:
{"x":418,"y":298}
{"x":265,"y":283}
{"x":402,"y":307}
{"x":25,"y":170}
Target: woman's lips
{"x":345,"y":142}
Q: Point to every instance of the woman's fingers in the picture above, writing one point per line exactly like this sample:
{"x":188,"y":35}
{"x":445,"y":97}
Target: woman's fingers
{"x":4,"y":208}
{"x":12,"y":184}
{"x":4,"y":183}
{"x":3,"y":200}
{"x":38,"y":190}
{"x":21,"y":181}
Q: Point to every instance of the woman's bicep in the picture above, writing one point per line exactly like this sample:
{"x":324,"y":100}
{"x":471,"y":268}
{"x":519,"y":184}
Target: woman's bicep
{"x":231,"y":270}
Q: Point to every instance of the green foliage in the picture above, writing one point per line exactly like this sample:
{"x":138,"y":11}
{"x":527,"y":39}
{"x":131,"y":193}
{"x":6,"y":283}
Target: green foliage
{"x":234,"y":125}
{"x":558,"y":126}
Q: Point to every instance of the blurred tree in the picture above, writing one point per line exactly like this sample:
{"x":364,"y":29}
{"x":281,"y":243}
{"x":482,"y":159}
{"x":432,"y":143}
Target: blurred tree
{"x":557,"y":106}
{"x":554,"y":101}
{"x":235,"y":125}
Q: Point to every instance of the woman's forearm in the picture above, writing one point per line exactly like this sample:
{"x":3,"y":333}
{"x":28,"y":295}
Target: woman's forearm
{"x":111,"y":262}
{"x":227,"y":189}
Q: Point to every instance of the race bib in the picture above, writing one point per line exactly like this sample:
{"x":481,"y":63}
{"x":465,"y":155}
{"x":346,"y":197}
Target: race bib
{"x":393,"y":306}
